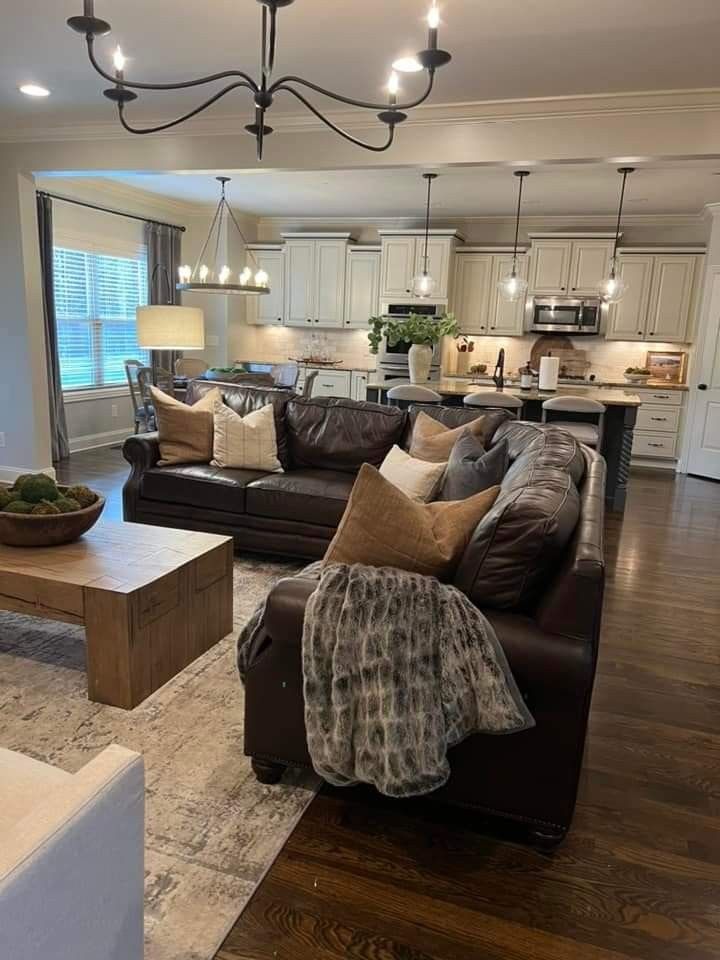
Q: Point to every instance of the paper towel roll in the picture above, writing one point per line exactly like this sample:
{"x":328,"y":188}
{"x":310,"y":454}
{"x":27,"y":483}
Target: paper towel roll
{"x":549,"y":371}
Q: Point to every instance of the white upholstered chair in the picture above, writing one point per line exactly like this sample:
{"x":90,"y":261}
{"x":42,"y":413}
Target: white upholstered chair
{"x":71,"y":858}
{"x":589,"y":433}
{"x":190,"y":367}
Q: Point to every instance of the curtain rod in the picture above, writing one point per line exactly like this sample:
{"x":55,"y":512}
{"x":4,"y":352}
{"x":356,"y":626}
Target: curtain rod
{"x":117,"y":213}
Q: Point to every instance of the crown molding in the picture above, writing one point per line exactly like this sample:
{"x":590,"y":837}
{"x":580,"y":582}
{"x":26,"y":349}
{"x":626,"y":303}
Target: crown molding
{"x":455,"y":222}
{"x":581,"y":106}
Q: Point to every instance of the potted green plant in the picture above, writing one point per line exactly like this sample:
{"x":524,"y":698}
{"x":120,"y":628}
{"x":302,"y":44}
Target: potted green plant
{"x":419,"y":331}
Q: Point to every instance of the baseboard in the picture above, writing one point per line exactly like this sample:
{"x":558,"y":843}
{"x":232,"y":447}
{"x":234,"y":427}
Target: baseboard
{"x":649,"y":462}
{"x":94,"y":440}
{"x":10,"y":474}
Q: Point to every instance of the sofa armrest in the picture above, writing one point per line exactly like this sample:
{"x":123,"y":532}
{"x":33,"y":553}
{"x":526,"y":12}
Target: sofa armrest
{"x":285,"y":612}
{"x":142,"y":452}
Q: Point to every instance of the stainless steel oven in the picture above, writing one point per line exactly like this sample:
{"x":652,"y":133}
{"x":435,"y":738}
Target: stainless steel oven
{"x":565,"y":315}
{"x":393,"y":360}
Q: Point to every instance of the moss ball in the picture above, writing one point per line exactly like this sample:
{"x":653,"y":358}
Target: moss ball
{"x":37,"y":488}
{"x":45,"y":507}
{"x":19,"y":481}
{"x":5,"y":498}
{"x":19,"y":506}
{"x":67,"y":505}
{"x":83,"y":495}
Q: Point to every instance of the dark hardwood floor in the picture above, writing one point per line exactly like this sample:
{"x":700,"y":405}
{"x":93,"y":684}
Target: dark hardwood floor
{"x":365,"y":878}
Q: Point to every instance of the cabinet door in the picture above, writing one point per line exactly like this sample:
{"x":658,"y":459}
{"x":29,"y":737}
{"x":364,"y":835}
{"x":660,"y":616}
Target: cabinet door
{"x":362,"y":288}
{"x":506,"y":319}
{"x":550,"y":267}
{"x":627,"y":319}
{"x":331,"y":383}
{"x":672,"y":286}
{"x":590,"y":264}
{"x":358,"y":385}
{"x":299,"y":282}
{"x":329,"y":282}
{"x":473,"y":279}
{"x":269,"y":308}
{"x":438,"y":263}
{"x":398,"y":267}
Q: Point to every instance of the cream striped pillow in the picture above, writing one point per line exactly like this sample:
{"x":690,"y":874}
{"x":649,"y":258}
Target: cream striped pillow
{"x":249,"y":442}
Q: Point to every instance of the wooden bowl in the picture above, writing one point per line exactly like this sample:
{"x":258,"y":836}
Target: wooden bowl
{"x":48,"y":530}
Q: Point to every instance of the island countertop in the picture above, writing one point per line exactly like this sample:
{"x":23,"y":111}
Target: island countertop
{"x":610,"y":396}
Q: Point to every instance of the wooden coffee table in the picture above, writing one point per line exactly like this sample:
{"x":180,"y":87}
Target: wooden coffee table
{"x":151,"y":599}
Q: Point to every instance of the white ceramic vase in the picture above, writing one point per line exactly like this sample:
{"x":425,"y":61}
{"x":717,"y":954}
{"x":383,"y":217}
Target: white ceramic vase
{"x":419,"y":361}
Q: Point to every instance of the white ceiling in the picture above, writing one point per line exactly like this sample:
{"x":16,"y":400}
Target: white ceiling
{"x":501,"y":49}
{"x":572,"y":189}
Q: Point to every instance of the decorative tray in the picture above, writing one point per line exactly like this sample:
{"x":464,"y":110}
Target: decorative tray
{"x":316,"y":362}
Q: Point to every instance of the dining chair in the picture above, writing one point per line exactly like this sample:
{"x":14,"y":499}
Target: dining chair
{"x":132,"y":369}
{"x":589,"y":433}
{"x":406,"y":393}
{"x":497,"y":399}
{"x":190,"y":367}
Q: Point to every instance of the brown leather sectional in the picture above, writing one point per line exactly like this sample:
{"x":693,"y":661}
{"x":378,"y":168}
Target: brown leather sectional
{"x":534,"y":566}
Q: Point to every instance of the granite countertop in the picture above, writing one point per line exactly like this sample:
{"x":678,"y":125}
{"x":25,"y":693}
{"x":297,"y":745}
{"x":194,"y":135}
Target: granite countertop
{"x":580,"y":384}
{"x":614,"y":397}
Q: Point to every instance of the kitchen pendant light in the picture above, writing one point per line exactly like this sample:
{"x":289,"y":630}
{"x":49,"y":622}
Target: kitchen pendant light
{"x":423,"y":285}
{"x":512,"y":287}
{"x":613,"y":288}
{"x":217,"y":278}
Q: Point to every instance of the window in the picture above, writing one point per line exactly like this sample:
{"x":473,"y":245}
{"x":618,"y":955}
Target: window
{"x":95,"y":299}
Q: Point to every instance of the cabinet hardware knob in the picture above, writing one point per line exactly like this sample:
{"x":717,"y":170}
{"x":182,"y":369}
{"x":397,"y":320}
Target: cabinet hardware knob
{"x":659,"y":419}
{"x":574,"y":288}
{"x":639,"y":333}
{"x":702,"y":386}
{"x":309,"y":320}
{"x":492,"y":327}
{"x":652,"y":333}
{"x":654,"y":444}
{"x":562,"y":288}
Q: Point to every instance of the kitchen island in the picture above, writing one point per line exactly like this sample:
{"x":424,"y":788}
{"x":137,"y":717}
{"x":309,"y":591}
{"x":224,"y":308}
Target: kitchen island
{"x":621,"y":413}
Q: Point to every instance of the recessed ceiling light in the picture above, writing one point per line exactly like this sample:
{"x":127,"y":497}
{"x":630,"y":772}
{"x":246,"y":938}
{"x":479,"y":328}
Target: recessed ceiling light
{"x":34,"y":90}
{"x":407,"y":65}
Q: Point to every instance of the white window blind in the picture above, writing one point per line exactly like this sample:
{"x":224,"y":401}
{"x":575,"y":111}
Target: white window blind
{"x":96,"y":295}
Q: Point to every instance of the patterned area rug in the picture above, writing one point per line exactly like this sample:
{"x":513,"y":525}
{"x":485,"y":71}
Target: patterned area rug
{"x":212,"y":831}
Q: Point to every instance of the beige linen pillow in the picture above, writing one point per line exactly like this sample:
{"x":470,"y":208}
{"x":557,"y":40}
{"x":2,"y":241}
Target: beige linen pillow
{"x":417,"y":479}
{"x":247,"y":442}
{"x":185,"y":432}
{"x":433,"y":441}
{"x":381,"y":527}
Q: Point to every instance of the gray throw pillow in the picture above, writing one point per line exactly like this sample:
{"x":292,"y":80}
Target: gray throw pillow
{"x":471,"y":469}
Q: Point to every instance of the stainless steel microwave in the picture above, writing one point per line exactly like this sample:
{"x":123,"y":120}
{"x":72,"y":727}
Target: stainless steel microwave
{"x":566,"y":315}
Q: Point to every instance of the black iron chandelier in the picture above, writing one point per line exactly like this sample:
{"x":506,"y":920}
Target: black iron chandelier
{"x":391,"y":113}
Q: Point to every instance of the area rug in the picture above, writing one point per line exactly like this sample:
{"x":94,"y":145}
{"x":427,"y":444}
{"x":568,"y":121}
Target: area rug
{"x":212,"y":831}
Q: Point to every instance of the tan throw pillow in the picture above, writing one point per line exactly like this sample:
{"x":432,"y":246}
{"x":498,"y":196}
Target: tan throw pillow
{"x":247,"y":442}
{"x":381,"y":527}
{"x":434,"y":441}
{"x":185,"y":432}
{"x":417,"y":479}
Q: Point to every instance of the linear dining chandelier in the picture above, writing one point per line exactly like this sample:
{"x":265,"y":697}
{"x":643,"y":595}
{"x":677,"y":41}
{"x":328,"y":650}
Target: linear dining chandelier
{"x":264,"y":91}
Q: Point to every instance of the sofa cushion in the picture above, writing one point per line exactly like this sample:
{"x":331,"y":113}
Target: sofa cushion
{"x":339,"y":434}
{"x":313,"y":496}
{"x":452,"y":417}
{"x":432,"y":440}
{"x":24,"y":783}
{"x":532,"y":444}
{"x":471,"y":468}
{"x":199,"y":485}
{"x":185,"y":431}
{"x":244,"y":400}
{"x":417,"y":479}
{"x":248,"y":443}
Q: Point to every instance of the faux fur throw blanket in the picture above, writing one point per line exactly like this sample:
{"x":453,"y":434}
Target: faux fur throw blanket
{"x":397,"y":667}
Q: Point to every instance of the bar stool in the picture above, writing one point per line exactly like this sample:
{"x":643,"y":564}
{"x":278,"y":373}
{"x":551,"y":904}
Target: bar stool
{"x":497,"y":399}
{"x":590,"y":434}
{"x":406,"y":393}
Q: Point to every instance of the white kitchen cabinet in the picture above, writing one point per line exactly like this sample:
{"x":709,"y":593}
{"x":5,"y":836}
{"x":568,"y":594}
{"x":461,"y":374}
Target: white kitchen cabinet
{"x":506,"y":319}
{"x":658,"y":426}
{"x":330,"y":383}
{"x":362,"y":287}
{"x":269,"y":308}
{"x":358,"y":384}
{"x":671,"y":297}
{"x":550,"y":267}
{"x":477,"y":304}
{"x":627,"y":319}
{"x":569,"y":268}
{"x":403,"y":258}
{"x":314,"y":281}
{"x":398,"y":267}
{"x":439,"y":253}
{"x":589,"y":265}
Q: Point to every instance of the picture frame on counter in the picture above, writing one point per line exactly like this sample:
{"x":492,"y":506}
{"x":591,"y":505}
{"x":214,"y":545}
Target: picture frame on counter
{"x":667,"y":365}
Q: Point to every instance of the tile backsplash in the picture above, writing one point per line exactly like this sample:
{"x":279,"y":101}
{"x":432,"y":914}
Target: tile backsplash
{"x":277,"y":344}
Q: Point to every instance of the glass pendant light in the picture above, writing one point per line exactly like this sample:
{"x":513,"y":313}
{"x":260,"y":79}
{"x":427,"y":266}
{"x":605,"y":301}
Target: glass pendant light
{"x":512,"y":287}
{"x":613,"y":288}
{"x":423,"y":285}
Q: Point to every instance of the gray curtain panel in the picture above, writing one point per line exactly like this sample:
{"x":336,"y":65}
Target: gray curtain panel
{"x":58,"y":423}
{"x":164,"y":248}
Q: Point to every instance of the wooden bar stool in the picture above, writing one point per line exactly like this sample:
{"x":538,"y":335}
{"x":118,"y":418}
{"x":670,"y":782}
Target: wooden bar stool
{"x":589,"y":433}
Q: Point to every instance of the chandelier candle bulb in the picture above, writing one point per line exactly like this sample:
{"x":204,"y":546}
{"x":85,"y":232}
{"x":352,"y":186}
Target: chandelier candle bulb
{"x":393,"y":88}
{"x":433,"y":20}
{"x":203,"y":273}
{"x":119,"y":64}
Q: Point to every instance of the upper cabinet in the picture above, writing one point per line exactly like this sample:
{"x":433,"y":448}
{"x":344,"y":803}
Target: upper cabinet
{"x":477,"y":303}
{"x":403,"y":258}
{"x":568,"y":267}
{"x":362,"y":287}
{"x":659,"y":298}
{"x":269,"y":308}
{"x":315,"y":279}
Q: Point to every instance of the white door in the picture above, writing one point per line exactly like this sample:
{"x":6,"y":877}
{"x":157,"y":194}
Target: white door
{"x":550,"y":267}
{"x":672,"y":288}
{"x":472,"y":292}
{"x":299,"y":282}
{"x":704,"y":456}
{"x":398,"y":267}
{"x":358,"y":385}
{"x":590,"y":264}
{"x":438,"y":263}
{"x":362,"y":288}
{"x":627,"y":319}
{"x":269,"y":307}
{"x":506,"y":319}
{"x":329,"y":282}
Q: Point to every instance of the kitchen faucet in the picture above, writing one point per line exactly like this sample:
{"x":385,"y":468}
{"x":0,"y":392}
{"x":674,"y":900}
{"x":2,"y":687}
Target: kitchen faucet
{"x":498,"y":376}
